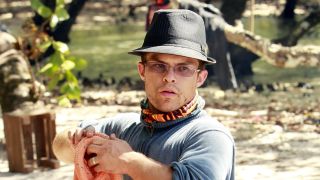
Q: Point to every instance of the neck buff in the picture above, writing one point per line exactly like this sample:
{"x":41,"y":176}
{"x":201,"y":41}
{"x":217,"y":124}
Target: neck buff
{"x":191,"y":108}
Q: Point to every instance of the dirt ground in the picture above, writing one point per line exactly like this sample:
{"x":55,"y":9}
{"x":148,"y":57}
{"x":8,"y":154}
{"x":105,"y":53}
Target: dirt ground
{"x":266,"y":149}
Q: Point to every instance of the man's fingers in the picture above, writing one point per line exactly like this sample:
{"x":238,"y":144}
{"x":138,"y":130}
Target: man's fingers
{"x":77,"y":136}
{"x":91,"y":130}
{"x":89,"y":133}
{"x":70,"y":136}
{"x":98,"y":140}
{"x":99,"y":168}
{"x":93,"y":149}
{"x":113,"y":137}
{"x":93,"y":161}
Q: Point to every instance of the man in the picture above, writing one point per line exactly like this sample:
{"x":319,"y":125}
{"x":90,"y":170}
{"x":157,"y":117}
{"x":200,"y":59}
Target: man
{"x":173,"y":137}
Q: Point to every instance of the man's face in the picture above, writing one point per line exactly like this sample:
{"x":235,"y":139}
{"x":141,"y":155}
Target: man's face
{"x":170,"y":80}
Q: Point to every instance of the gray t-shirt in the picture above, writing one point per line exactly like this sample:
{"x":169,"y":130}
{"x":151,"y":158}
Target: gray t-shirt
{"x":196,"y":148}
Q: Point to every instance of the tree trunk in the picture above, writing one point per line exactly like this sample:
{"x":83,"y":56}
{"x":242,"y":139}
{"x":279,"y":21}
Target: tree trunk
{"x":288,"y":11}
{"x":217,"y":43}
{"x":218,"y":49}
{"x":62,"y":31}
{"x":241,"y":58}
{"x":17,"y":88}
{"x":232,"y":10}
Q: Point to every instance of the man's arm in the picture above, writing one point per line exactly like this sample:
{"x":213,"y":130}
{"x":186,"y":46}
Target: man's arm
{"x":141,"y":167}
{"x":208,"y":155}
{"x":116,"y":156}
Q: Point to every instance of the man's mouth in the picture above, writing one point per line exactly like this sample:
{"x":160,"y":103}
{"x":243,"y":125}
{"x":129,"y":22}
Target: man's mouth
{"x":167,"y":92}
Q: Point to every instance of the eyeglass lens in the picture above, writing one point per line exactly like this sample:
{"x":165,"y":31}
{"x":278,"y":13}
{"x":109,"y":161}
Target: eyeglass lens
{"x":185,"y":70}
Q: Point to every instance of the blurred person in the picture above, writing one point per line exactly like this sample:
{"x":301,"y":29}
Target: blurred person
{"x":154,"y":6}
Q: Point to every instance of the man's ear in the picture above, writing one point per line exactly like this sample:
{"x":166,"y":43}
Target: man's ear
{"x":202,"y":76}
{"x":141,"y":70}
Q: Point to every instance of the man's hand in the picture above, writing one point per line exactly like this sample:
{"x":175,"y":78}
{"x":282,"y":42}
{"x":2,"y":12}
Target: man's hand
{"x":115,"y":156}
{"x":77,"y":134}
{"x":111,"y":154}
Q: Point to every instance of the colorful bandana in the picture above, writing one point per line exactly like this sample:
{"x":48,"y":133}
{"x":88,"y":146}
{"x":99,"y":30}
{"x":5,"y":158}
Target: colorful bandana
{"x":149,"y":116}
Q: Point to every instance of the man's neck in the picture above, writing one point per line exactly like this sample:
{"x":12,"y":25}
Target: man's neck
{"x":153,"y":109}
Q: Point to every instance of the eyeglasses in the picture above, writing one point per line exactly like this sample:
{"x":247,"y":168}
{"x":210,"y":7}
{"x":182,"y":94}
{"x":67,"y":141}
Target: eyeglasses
{"x":184,"y":70}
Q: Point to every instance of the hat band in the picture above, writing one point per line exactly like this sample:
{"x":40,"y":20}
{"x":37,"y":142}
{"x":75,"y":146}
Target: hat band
{"x":180,"y":43}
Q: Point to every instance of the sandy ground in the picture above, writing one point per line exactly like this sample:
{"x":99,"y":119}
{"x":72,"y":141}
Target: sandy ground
{"x":271,"y":153}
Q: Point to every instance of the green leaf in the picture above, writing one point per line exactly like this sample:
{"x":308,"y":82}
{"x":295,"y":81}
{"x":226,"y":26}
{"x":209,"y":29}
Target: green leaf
{"x":68,"y":65}
{"x":75,"y":93}
{"x":61,"y":47}
{"x":71,"y":90}
{"x":44,"y":46}
{"x":80,"y":63}
{"x":65,"y":88}
{"x":44,"y":11}
{"x":54,"y":21}
{"x":64,"y":101}
{"x":68,"y":87}
{"x":53,"y":82}
{"x":46,"y":67}
{"x":57,"y":58}
{"x":59,"y":2}
{"x":61,"y":13}
{"x":71,"y":78}
{"x":35,"y":4}
{"x":61,"y":76}
{"x":53,"y":71}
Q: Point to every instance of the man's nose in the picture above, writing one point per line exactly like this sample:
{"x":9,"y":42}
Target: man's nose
{"x":169,"y":75}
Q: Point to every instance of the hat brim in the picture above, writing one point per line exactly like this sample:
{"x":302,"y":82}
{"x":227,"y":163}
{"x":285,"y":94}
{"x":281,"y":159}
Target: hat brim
{"x":175,"y":50}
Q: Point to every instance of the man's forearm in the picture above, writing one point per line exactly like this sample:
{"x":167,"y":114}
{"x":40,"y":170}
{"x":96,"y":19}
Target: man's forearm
{"x":140,"y":167}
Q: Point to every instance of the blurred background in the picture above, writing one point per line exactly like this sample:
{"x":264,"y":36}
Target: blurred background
{"x":104,"y":31}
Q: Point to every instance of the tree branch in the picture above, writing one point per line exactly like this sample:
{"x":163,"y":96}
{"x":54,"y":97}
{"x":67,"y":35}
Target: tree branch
{"x":275,"y":54}
{"x":300,"y":29}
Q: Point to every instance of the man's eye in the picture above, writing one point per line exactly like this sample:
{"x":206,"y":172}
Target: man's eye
{"x":159,"y":66}
{"x":183,"y":68}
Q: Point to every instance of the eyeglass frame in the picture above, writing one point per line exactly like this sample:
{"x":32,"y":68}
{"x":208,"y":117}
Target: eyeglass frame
{"x":168,"y":67}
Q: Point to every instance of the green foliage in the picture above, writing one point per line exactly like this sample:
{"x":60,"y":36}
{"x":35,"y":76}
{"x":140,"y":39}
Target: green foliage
{"x":60,"y":64}
{"x":41,"y":9}
{"x":61,"y":13}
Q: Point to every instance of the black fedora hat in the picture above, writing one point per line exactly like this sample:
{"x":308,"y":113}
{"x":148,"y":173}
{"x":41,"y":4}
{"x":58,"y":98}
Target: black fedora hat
{"x":178,"y":32}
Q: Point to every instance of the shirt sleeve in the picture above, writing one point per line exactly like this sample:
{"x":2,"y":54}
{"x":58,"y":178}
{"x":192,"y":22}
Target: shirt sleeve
{"x":116,"y":124}
{"x":206,"y":156}
{"x":89,"y":122}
